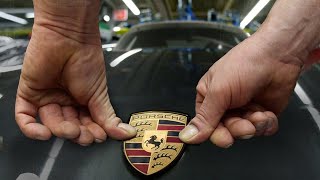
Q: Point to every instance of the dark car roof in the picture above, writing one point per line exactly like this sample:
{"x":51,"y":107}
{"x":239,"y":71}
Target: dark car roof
{"x":182,"y":25}
{"x":185,"y":24}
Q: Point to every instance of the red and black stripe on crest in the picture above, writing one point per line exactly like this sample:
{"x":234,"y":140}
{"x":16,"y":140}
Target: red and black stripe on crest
{"x":173,"y":128}
{"x":137,"y":156}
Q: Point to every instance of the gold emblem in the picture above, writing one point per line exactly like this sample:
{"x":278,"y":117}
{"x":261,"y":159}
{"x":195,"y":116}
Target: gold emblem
{"x":157,"y":142}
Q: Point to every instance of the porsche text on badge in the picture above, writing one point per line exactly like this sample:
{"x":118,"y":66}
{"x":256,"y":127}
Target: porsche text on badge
{"x":157,"y":142}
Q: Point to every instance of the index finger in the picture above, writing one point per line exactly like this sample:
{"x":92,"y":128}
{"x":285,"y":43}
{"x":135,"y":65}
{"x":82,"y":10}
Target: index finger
{"x":25,"y":114}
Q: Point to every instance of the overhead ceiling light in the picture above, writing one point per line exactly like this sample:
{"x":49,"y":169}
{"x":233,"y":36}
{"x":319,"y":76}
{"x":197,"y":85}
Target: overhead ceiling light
{"x":133,"y":8}
{"x":13,"y":18}
{"x":116,"y":29}
{"x":109,"y":45}
{"x":30,"y":15}
{"x":106,"y":18}
{"x":124,"y":56}
{"x":253,"y":13}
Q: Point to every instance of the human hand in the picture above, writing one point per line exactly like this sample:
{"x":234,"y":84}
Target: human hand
{"x":63,"y":80}
{"x":246,"y":89}
{"x":242,"y":94}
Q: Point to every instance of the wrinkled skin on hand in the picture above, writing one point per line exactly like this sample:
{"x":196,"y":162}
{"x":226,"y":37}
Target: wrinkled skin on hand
{"x":64,"y":82}
{"x":242,"y":94}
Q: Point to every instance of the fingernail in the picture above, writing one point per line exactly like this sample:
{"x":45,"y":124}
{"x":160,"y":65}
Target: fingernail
{"x":261,"y":126}
{"x":269,"y":128}
{"x":98,"y":140}
{"x":229,"y":145}
{"x":84,"y":145}
{"x":270,"y":123}
{"x":188,"y":132}
{"x":41,"y":138}
{"x":247,"y":136}
{"x":131,"y":130}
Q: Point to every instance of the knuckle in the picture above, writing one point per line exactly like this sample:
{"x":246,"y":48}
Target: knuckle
{"x":202,"y":116}
{"x":111,"y":123}
{"x":206,"y":115}
{"x":201,"y":87}
{"x":200,"y":121}
{"x":258,"y":117}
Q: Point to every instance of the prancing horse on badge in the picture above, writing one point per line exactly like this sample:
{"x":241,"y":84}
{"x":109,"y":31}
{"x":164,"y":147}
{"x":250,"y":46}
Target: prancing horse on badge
{"x":153,"y":141}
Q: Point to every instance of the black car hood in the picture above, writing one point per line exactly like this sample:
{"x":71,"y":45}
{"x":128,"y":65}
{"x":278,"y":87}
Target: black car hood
{"x":166,"y":80}
{"x":157,"y":80}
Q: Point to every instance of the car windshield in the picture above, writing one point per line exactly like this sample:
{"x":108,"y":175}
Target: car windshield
{"x":182,"y":38}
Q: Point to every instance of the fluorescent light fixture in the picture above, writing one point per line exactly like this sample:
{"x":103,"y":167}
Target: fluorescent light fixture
{"x":116,"y":29}
{"x":13,"y":18}
{"x":124,"y":56}
{"x":104,"y":46}
{"x":106,"y":18}
{"x":30,"y":15}
{"x":133,"y":8}
{"x":253,"y":13}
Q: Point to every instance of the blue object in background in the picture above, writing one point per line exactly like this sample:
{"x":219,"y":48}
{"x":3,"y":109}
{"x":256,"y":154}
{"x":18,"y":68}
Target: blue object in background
{"x":185,"y":11}
{"x":235,"y":18}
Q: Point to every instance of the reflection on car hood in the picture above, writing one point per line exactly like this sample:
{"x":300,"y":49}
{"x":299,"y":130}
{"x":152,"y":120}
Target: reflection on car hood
{"x":12,"y":51}
{"x":157,"y":79}
{"x":156,"y":71}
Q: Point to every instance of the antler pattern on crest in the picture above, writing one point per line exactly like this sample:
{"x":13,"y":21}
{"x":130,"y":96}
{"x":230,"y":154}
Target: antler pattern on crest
{"x":162,"y":155}
{"x":146,"y":123}
{"x":141,"y":129}
{"x":139,"y":135}
{"x":170,"y":147}
{"x":157,"y":164}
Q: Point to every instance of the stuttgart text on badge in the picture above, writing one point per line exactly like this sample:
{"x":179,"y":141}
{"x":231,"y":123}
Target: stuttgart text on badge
{"x":157,"y":142}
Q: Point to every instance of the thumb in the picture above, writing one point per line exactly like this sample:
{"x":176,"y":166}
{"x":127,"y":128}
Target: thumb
{"x":103,"y":113}
{"x":208,"y":115}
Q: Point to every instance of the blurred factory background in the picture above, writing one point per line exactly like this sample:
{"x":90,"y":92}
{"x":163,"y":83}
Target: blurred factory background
{"x":118,"y":16}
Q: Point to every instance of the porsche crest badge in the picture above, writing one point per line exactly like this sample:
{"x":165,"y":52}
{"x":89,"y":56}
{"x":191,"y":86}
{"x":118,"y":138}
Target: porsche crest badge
{"x":157,"y":142}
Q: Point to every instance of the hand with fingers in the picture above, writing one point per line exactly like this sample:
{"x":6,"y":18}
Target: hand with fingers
{"x":243,"y":93}
{"x":236,"y":97}
{"x":63,"y":79}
